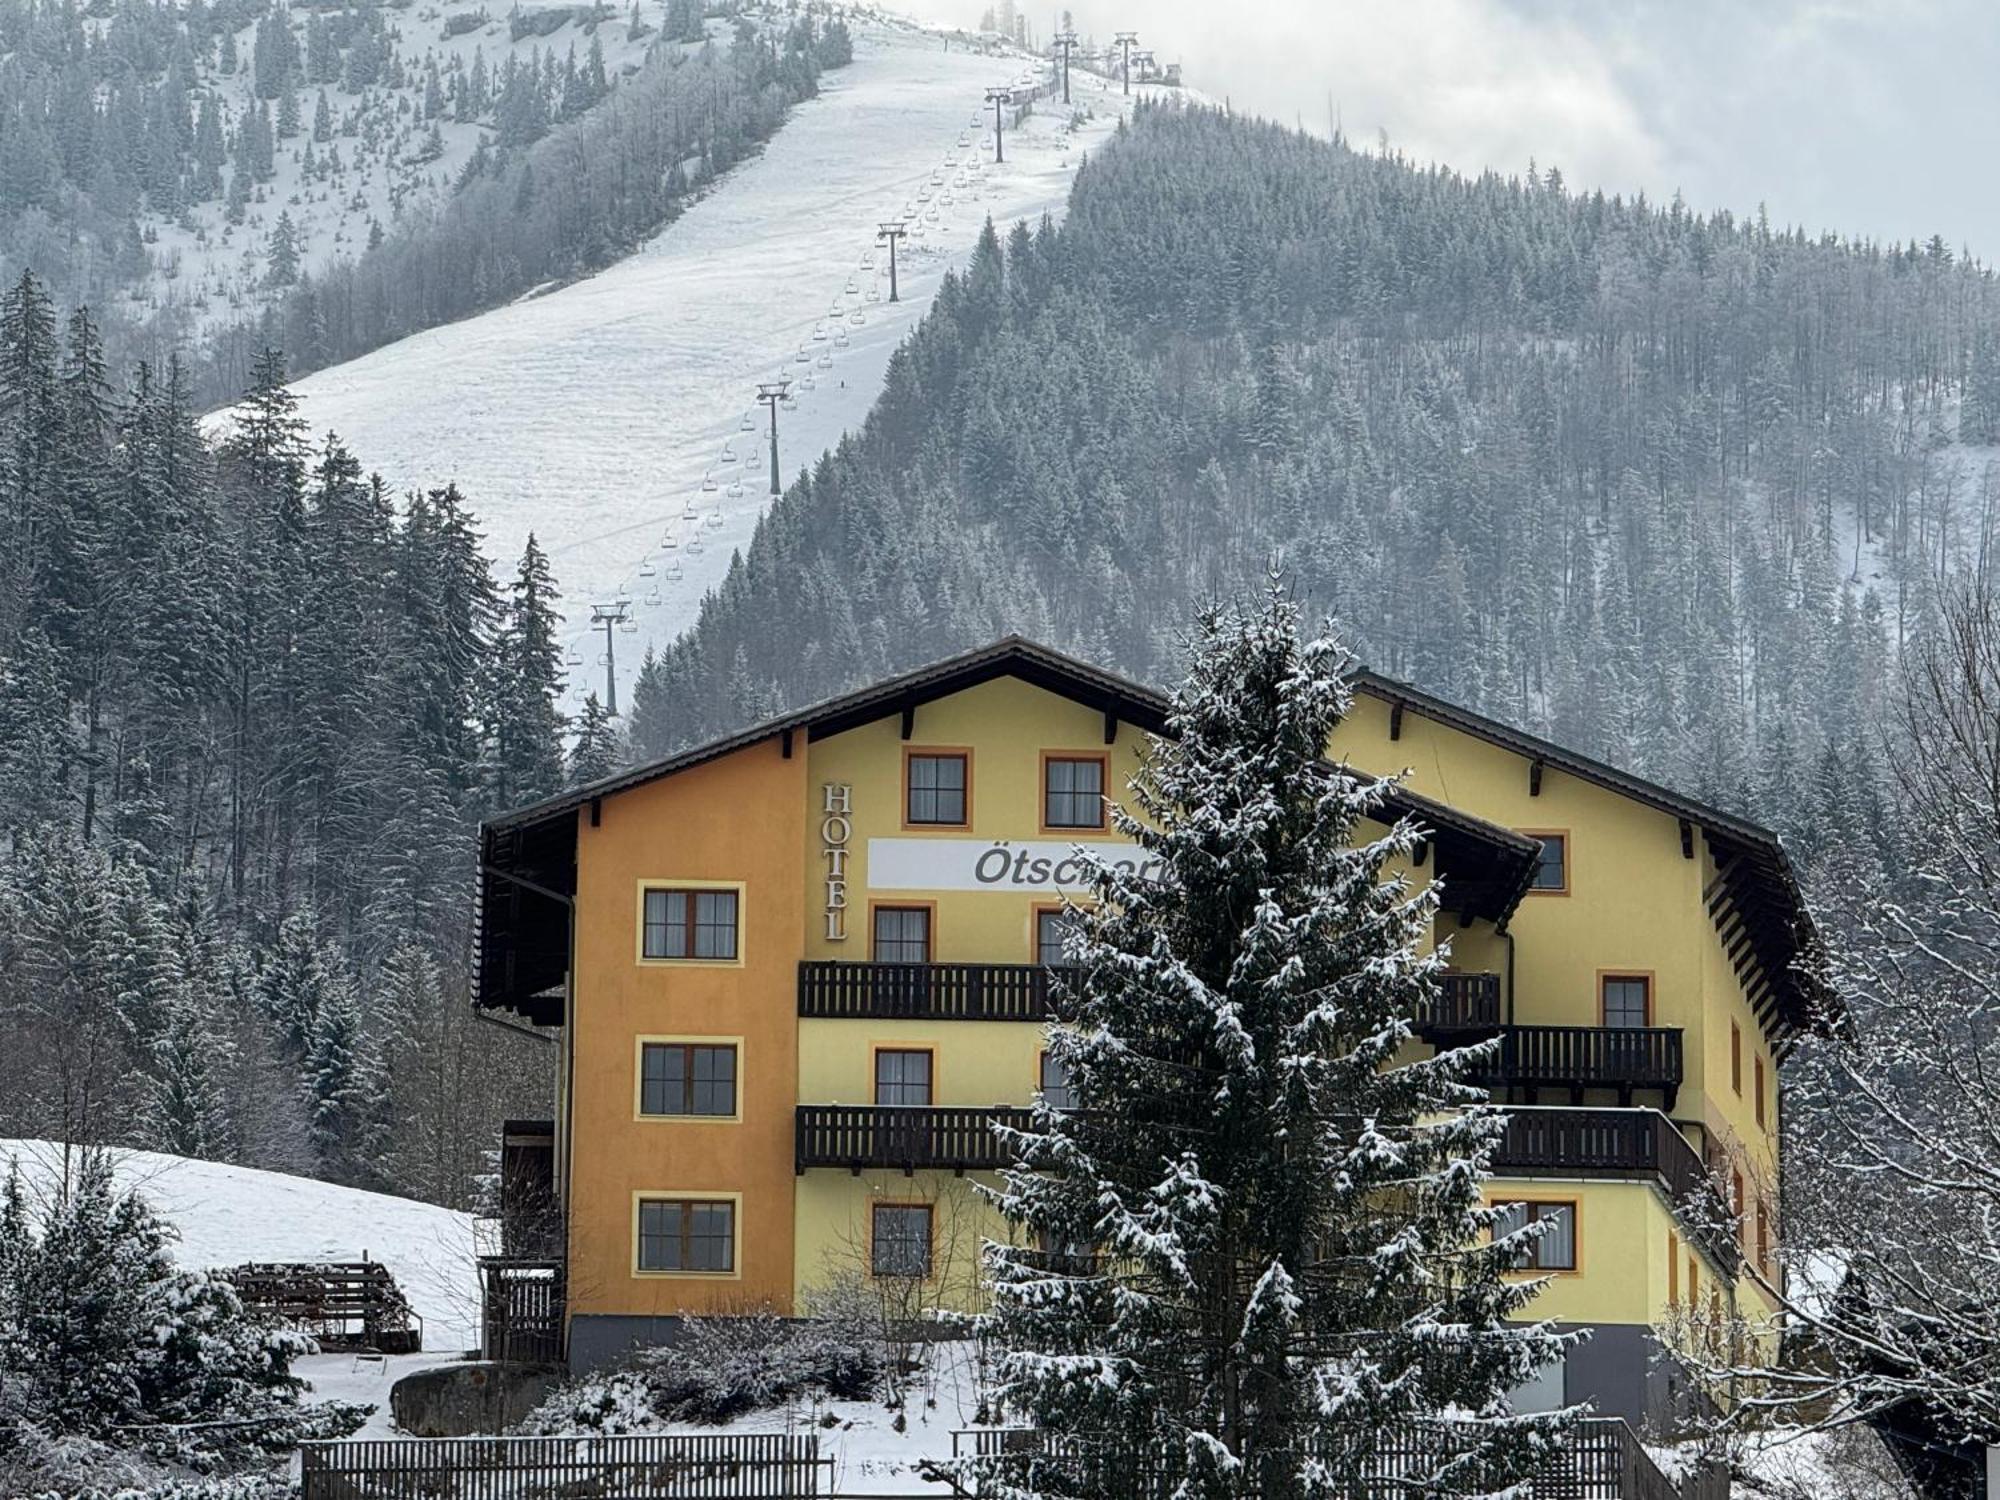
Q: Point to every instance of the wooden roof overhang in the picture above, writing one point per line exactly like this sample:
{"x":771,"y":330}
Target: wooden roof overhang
{"x":1754,"y":899}
{"x":527,"y":877}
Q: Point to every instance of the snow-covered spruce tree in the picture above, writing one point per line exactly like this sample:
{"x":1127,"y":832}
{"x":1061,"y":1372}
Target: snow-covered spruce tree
{"x":1256,"y":1254}
{"x":102,"y":1337}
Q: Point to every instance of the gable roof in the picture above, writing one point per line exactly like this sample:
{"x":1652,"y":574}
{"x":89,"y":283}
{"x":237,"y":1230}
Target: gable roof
{"x":1754,"y":900}
{"x":527,"y":864}
{"x":528,"y":856}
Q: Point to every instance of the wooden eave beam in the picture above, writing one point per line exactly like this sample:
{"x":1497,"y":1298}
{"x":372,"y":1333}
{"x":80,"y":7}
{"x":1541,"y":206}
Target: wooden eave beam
{"x":1534,"y":778}
{"x":1396,"y":720}
{"x":1111,"y":726}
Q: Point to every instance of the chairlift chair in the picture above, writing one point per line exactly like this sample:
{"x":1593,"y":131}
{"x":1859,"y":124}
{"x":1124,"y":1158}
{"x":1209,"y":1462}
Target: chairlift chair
{"x":688,"y":512}
{"x":826,"y":361}
{"x":804,"y":358}
{"x":841,"y":340}
{"x":735,"y":490}
{"x":748,"y":424}
{"x":807,"y":383}
{"x":819,"y":333}
{"x":713,"y":521}
{"x":729,"y":453}
{"x":674,"y":574}
{"x":604,"y":658}
{"x":694,"y":546}
{"x":654,"y":600}
{"x":852,"y":287}
{"x":630,"y":627}
{"x":574,"y":659}
{"x":708,"y":484}
{"x":669,"y":542}
{"x":647,"y":570}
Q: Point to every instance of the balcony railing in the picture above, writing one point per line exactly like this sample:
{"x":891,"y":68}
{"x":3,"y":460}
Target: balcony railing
{"x":924,"y":992}
{"x":1639,"y":1144}
{"x":1466,"y":1002}
{"x":903,"y":1138}
{"x":1575,"y":1058}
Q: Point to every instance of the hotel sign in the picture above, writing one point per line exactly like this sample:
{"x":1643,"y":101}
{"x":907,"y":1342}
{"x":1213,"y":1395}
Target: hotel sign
{"x":835,"y":829}
{"x":1019,"y":865}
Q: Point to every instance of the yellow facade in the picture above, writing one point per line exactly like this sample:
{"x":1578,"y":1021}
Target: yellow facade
{"x":809,"y":830}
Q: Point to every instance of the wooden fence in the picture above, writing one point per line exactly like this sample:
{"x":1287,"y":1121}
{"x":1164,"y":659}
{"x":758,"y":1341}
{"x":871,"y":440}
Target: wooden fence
{"x":750,"y":1466}
{"x":1603,"y":1461}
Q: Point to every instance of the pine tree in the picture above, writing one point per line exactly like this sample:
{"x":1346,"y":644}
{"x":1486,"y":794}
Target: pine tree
{"x":1258,"y":1248}
{"x":595,"y":754}
{"x":526,"y":728}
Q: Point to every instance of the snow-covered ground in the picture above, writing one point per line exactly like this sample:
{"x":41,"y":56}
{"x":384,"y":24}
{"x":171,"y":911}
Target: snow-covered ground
{"x":228,"y":1215}
{"x":597,"y":415}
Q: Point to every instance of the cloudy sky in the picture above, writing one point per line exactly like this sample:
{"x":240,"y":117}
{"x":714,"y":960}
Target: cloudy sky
{"x":1873,"y":117}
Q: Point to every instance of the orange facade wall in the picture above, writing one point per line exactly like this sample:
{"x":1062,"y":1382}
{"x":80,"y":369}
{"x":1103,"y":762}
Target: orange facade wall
{"x":739,"y":818}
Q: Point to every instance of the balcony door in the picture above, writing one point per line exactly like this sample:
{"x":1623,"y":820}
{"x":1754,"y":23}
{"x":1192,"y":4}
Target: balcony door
{"x":1628,"y":1011}
{"x":902,"y":938}
{"x":903,"y":1082}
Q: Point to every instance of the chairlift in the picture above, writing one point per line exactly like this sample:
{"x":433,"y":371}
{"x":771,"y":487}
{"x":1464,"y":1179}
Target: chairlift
{"x":669,"y":542}
{"x":708,"y":484}
{"x":674,"y":574}
{"x":858,"y":318}
{"x":819,"y":333}
{"x":789,"y":401}
{"x":729,"y":453}
{"x":647,"y":570}
{"x":688,"y":512}
{"x":574,"y":659}
{"x":874,"y":295}
{"x":841,"y":340}
{"x":807,"y":383}
{"x":748,"y":424}
{"x":713,"y":521}
{"x":803,"y":357}
{"x":604,"y":658}
{"x":964,"y":140}
{"x":630,"y":627}
{"x":694,"y":546}
{"x":735,"y":491}
{"x":852,"y":286}
{"x":654,"y":600}
{"x":868,"y":260}
{"x":826,"y":361}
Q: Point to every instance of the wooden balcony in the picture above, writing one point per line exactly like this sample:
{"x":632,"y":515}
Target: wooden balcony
{"x":1532,"y":1059}
{"x":1467,"y":1002}
{"x":902,"y":1138}
{"x":923,"y":992}
{"x":1636,"y":1144}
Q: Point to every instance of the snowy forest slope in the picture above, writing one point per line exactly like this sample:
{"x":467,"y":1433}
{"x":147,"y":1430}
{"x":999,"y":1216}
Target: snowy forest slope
{"x":609,"y":415}
{"x":1598,"y":467}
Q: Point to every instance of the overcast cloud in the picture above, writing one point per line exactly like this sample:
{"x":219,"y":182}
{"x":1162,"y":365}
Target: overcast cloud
{"x":1870,"y":117}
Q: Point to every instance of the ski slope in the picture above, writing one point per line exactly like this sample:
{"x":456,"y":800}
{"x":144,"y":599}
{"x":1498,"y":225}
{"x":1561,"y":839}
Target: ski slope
{"x":609,"y":416}
{"x":228,"y":1215}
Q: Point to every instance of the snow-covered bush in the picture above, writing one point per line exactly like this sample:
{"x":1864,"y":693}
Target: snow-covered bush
{"x":718,"y":1369}
{"x":102,"y":1338}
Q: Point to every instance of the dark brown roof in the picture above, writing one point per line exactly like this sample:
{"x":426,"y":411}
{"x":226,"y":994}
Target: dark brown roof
{"x":527,"y":864}
{"x":1755,"y":900}
{"x":528,"y":855}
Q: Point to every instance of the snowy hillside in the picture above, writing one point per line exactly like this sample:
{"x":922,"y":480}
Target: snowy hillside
{"x":228,"y":1215}
{"x":394,"y":137}
{"x":618,"y":413}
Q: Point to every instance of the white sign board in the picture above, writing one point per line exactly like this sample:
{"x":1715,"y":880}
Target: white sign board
{"x":1018,"y":865}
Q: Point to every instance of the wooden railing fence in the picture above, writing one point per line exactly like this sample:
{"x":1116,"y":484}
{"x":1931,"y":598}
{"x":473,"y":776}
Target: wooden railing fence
{"x":748,"y":1466}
